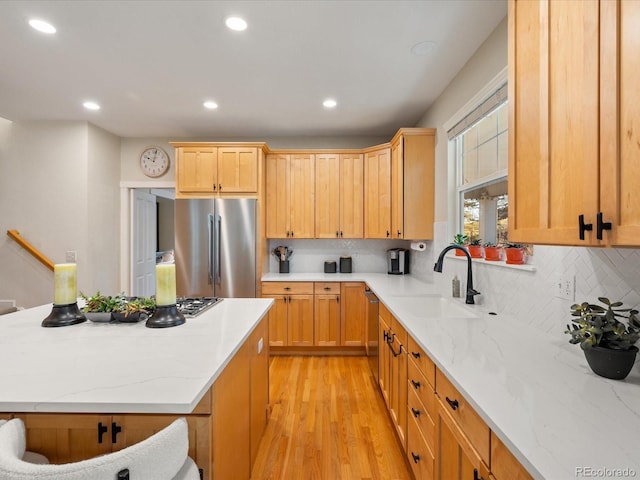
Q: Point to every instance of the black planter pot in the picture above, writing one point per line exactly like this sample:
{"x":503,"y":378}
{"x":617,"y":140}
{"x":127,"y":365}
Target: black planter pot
{"x":614,"y":364}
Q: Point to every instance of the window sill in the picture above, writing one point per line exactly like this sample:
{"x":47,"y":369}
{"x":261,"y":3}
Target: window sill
{"x":501,"y":263}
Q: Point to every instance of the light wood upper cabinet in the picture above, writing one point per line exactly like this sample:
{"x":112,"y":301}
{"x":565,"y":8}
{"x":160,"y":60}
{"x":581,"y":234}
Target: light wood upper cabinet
{"x":339,"y":195}
{"x":572,"y":111}
{"x":412,"y":183}
{"x":377,"y":193}
{"x":290,"y":196}
{"x":197,"y":169}
{"x":208,"y":169}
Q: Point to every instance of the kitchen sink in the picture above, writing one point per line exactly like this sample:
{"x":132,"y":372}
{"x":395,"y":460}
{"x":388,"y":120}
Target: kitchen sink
{"x":430,"y":306}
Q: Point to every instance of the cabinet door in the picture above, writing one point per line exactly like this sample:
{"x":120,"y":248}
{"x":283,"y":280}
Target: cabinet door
{"x":353,"y":315}
{"x":377,"y":194}
{"x":278,"y":321}
{"x":455,"y":459}
{"x":351,"y":196}
{"x":327,"y":196}
{"x":197,"y":169}
{"x":300,"y":320}
{"x":302,"y":196}
{"x":398,"y":389}
{"x":259,"y":357}
{"x":65,"y":438}
{"x":553,"y":120}
{"x":619,"y":118}
{"x":237,"y":170}
{"x":418,"y":170}
{"x":397,"y":190}
{"x":277,"y":196}
{"x":231,"y":419}
{"x":384,"y":360}
{"x":326,"y":320}
{"x":136,"y":428}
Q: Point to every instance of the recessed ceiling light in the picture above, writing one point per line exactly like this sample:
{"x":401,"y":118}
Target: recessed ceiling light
{"x":210,"y":105}
{"x":236,"y":23}
{"x":423,"y":48}
{"x":42,"y":26}
{"x":329,"y":103}
{"x":91,"y":106}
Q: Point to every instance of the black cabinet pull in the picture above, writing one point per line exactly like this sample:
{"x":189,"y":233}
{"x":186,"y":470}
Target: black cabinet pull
{"x":601,"y":226}
{"x":415,"y":384}
{"x":475,"y":475}
{"x":327,"y":288}
{"x":393,"y":351}
{"x":214,"y":187}
{"x":415,"y":354}
{"x":220,"y":187}
{"x":584,"y":227}
{"x":292,"y":233}
{"x":399,"y":233}
{"x":388,"y":234}
{"x":115,"y":430}
{"x":452,"y":403}
{"x":102,"y":429}
{"x":416,"y":413}
{"x":287,"y":288}
{"x":340,"y":233}
{"x":416,"y":458}
{"x":337,"y":234}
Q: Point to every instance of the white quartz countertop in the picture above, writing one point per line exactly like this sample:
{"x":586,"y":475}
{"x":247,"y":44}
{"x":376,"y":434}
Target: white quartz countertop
{"x":119,"y":368}
{"x":535,"y":391}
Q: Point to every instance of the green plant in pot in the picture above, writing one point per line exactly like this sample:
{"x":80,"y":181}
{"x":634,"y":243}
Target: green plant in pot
{"x":492,"y":252}
{"x":607,"y":341}
{"x":475,"y":247}
{"x":106,"y":308}
{"x":514,"y":253}
{"x":459,"y":239}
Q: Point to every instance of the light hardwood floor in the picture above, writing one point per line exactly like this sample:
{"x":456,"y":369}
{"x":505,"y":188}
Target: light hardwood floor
{"x":327,"y":423}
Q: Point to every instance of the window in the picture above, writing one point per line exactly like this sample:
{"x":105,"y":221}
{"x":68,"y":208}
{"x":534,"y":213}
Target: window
{"x":481,"y":153}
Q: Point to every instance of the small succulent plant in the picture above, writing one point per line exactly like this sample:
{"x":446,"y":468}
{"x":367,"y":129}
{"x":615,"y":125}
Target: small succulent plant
{"x":603,"y":326}
{"x":118,"y":303}
{"x":475,"y":241}
{"x":460,"y":239}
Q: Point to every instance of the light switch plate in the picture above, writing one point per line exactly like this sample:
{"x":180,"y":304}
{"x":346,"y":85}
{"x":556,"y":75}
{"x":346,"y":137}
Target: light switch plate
{"x":71,"y":256}
{"x":565,"y":287}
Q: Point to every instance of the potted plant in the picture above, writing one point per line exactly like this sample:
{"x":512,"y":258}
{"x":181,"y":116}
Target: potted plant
{"x":514,"y":253}
{"x":492,"y":252}
{"x":461,"y":240}
{"x":475,"y":247}
{"x":605,"y":339}
{"x":105,"y":308}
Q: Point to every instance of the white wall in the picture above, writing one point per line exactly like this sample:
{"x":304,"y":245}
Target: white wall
{"x":55,"y":179}
{"x":528,"y":296}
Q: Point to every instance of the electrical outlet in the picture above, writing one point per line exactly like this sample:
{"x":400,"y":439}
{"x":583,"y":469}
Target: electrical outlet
{"x":565,"y":287}
{"x":71,"y":256}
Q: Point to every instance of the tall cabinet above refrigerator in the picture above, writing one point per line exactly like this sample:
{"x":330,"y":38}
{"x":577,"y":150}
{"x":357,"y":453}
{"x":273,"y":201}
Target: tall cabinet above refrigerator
{"x":215,"y":247}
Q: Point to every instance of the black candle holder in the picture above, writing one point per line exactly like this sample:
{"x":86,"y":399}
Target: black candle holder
{"x":165,"y":316}
{"x":64,"y":315}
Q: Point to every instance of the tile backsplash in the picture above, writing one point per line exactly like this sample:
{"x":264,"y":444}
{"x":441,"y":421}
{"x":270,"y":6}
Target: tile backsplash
{"x":530,"y":296}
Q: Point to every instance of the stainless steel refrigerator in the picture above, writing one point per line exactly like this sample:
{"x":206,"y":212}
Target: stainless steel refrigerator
{"x":215,"y":247}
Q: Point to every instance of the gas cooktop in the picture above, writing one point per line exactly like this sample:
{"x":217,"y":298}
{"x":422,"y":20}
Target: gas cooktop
{"x":193,"y":306}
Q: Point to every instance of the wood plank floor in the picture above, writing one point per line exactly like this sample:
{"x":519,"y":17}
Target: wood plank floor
{"x":327,"y":423}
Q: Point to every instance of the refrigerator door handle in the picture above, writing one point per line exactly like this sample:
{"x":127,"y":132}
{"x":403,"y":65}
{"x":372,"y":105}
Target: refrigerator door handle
{"x":210,"y":231}
{"x":218,"y":269}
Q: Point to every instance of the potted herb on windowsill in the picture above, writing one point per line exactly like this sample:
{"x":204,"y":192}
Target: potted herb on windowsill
{"x":475,"y":247}
{"x":460,"y":239}
{"x":514,"y":253}
{"x":607,"y":342}
{"x":492,"y":253}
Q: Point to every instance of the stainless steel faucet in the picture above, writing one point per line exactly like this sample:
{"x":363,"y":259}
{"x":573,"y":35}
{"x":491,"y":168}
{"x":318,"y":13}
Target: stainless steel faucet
{"x":438,"y":268}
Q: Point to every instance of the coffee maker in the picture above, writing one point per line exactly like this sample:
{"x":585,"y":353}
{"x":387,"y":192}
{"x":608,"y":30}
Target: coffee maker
{"x":397,"y":261}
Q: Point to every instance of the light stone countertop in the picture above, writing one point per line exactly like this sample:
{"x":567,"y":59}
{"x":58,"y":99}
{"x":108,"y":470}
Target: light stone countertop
{"x":119,"y":368}
{"x":535,"y":391}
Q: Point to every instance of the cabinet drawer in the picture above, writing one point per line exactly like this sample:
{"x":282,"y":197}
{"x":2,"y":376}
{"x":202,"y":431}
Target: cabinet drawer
{"x":418,"y":384}
{"x":326,"y":288}
{"x":466,"y":417}
{"x":292,"y":288}
{"x":384,"y":313}
{"x":422,"y":416}
{"x":504,"y":465}
{"x":422,"y":360}
{"x":419,"y":454}
{"x":399,"y":331}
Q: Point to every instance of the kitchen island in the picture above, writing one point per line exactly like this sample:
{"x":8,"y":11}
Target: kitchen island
{"x":535,"y":391}
{"x":127,"y":372}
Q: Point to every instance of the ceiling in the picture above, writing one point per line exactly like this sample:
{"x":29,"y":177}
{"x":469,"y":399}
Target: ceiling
{"x":151,"y":64}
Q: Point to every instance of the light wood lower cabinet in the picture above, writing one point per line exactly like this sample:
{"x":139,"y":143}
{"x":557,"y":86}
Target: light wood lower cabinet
{"x":504,"y":466}
{"x":326,"y":314}
{"x":291,"y":318}
{"x":353,"y":314}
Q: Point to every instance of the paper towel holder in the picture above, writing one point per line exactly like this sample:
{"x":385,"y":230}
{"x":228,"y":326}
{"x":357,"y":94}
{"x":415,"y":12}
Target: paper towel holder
{"x":419,"y":246}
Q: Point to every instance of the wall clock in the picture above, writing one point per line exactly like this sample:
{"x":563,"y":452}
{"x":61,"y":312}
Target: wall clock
{"x":154,"y":161}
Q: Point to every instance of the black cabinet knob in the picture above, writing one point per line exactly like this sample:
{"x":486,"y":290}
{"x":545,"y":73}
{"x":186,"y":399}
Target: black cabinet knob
{"x":416,"y":458}
{"x":452,"y":403}
{"x":416,"y":413}
{"x":415,"y":384}
{"x":601,"y":226}
{"x":102,"y":429}
{"x":115,"y":430}
{"x":584,"y":227}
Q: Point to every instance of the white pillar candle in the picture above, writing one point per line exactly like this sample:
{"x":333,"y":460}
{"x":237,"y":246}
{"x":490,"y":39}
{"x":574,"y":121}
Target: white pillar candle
{"x":64,"y":284}
{"x":165,"y":284}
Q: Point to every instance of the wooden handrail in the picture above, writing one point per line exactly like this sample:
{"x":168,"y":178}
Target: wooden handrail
{"x":30,"y":248}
